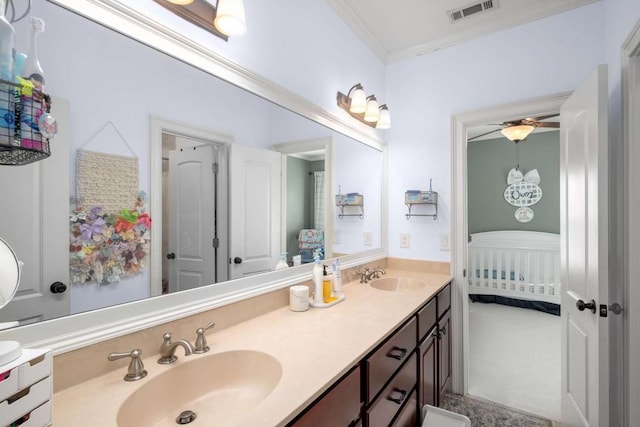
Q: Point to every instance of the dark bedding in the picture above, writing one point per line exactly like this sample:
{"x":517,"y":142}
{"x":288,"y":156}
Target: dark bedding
{"x":545,"y":307}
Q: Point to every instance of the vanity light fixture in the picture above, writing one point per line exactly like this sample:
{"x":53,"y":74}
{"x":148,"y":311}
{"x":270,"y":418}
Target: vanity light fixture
{"x":517,"y":133}
{"x":223,"y":18}
{"x":364,"y":108}
{"x":230,"y":17}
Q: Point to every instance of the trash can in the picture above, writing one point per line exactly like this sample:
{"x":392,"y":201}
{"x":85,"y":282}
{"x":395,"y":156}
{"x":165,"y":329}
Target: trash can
{"x":438,"y":417}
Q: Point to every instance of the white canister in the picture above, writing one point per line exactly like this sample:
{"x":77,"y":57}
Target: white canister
{"x":299,"y":298}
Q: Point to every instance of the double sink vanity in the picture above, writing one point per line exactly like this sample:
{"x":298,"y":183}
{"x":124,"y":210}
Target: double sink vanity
{"x":373,"y":359}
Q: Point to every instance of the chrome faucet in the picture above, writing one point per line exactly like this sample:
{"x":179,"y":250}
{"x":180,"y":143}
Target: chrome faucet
{"x":168,"y":349}
{"x":368,"y":275}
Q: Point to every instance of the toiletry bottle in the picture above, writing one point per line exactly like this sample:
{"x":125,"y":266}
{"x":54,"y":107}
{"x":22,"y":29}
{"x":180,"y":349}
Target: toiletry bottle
{"x":317,"y":281}
{"x":327,"y":286}
{"x":32,"y":70}
{"x":7,"y":41}
{"x":283,"y":261}
{"x":337,"y":278}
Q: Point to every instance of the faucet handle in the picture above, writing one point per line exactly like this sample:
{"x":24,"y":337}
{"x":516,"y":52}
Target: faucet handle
{"x":136,"y":369}
{"x":201,"y":341}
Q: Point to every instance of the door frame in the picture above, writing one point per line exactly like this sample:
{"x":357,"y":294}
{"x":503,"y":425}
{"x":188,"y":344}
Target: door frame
{"x":158,"y":127}
{"x":459,"y":214}
{"x":326,"y":144}
{"x":629,"y":203}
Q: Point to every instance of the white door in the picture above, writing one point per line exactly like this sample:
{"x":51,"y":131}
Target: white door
{"x":191,"y":254}
{"x":34,"y":220}
{"x":254,"y":210}
{"x":584,"y":251}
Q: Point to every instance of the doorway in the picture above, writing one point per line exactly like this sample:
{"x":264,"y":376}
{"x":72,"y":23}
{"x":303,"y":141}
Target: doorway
{"x":460,"y":230}
{"x":514,"y":269}
{"x":185,"y":160}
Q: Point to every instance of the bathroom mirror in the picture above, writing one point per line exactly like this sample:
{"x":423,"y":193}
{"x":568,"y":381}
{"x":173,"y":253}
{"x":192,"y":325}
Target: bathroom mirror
{"x":9,"y":273}
{"x":108,"y":97}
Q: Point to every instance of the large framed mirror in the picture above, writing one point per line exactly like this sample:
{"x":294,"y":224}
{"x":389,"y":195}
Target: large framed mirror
{"x":133,"y":98}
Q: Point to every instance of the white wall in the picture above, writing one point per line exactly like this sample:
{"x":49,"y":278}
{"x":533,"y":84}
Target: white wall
{"x":302,"y":45}
{"x":543,"y":57}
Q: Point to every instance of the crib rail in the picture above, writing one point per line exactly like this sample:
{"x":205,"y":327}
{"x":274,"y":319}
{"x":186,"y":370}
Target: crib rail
{"x":525,"y":270}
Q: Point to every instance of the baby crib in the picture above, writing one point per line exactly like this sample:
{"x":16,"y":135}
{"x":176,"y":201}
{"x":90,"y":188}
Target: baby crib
{"x":513,"y":266}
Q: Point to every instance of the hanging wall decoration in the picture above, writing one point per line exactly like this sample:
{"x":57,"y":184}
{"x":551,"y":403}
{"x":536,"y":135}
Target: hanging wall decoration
{"x":523,"y":191}
{"x":109,"y":223}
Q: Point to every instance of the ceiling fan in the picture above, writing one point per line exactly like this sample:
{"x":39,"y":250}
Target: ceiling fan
{"x":517,"y":130}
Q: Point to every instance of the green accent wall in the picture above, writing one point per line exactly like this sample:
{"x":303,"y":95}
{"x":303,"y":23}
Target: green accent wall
{"x":489,"y":161}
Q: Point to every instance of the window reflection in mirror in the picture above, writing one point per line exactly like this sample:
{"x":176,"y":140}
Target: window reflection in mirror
{"x":108,"y":78}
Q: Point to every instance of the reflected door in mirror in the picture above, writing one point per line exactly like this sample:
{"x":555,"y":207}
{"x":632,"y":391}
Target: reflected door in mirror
{"x":255,"y":210}
{"x":34,"y":219}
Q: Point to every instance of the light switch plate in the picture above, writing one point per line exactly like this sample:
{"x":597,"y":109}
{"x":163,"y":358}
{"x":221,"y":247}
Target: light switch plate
{"x":367,"y":239}
{"x":444,"y":243}
{"x":404,"y":240}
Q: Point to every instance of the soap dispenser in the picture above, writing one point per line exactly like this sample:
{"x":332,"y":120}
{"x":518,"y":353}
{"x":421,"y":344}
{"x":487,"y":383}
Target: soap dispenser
{"x":317,"y":281}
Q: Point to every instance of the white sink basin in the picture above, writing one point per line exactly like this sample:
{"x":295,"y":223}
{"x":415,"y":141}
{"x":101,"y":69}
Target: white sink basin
{"x":397,"y":284}
{"x":218,"y":388}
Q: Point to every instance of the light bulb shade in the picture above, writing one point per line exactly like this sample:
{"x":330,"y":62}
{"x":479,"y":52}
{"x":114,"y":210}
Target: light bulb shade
{"x":373,"y":113}
{"x":181,"y":2}
{"x":358,"y":103}
{"x":517,"y":133}
{"x":230,"y":17}
{"x":384,"y":122}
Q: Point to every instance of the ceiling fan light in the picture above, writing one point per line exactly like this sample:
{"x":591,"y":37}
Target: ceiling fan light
{"x":230,"y":18}
{"x":518,"y":132}
{"x":358,"y":103}
{"x":384,"y":122}
{"x":373,"y":112}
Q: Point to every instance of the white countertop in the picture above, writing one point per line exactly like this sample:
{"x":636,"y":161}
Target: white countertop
{"x":314,"y":348}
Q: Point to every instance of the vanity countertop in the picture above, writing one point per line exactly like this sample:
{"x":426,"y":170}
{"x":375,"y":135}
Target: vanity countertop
{"x":315,"y":348}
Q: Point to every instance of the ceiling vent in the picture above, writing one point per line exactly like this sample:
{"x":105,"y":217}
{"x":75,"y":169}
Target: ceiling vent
{"x":472,"y":9}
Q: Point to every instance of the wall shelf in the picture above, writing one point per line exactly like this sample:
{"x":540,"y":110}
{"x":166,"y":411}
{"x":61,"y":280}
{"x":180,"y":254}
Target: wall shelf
{"x":350,"y":200}
{"x":425,"y":198}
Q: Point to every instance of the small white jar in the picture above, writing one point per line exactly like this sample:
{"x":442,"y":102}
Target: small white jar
{"x":299,"y":298}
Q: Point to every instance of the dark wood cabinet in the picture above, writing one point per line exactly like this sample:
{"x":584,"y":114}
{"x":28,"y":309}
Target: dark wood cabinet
{"x":434,"y":370}
{"x":409,"y":369}
{"x":339,"y":406}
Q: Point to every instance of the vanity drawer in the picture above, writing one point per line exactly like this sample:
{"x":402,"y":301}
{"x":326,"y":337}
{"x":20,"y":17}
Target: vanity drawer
{"x":39,"y":417}
{"x":426,"y":319}
{"x":34,"y":370}
{"x":382,"y":364}
{"x":399,"y":391}
{"x":444,"y":300}
{"x":24,"y":401}
{"x":409,"y":414}
{"x":9,"y":382}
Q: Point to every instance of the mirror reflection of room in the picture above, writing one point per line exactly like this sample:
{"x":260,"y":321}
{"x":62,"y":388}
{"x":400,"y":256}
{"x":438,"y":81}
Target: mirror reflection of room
{"x":100,"y":108}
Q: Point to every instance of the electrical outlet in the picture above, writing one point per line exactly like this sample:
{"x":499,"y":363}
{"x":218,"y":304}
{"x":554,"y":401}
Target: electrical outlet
{"x":367,"y":239}
{"x":444,"y":243}
{"x":404,"y":240}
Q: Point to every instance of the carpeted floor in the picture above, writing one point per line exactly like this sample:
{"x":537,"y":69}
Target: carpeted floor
{"x":483,"y":413}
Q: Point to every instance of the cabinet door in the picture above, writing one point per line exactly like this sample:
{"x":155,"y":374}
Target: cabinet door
{"x":428,"y":371}
{"x":339,"y":407}
{"x":444,"y":353}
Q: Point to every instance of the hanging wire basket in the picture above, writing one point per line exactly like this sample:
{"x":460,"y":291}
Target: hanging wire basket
{"x":20,"y":141}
